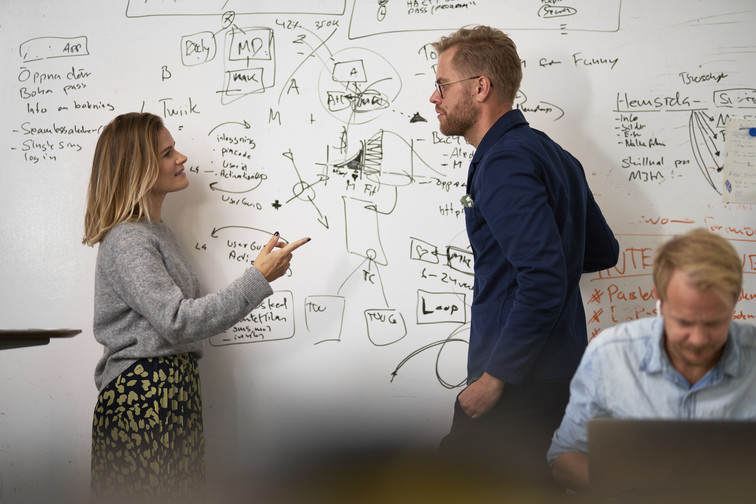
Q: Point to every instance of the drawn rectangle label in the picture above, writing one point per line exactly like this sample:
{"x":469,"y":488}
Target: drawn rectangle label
{"x":440,"y":307}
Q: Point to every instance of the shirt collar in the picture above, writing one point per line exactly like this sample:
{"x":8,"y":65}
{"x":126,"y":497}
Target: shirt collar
{"x":503,"y":124}
{"x":656,"y":359}
{"x":731,"y":361}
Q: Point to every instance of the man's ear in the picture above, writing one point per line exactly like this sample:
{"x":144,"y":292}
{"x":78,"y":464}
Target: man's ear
{"x":483,"y":89}
{"x":655,"y":294}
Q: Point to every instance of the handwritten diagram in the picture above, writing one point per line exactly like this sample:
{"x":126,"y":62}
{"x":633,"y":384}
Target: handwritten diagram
{"x":317,"y":119}
{"x":369,"y":19}
{"x":313,"y":119}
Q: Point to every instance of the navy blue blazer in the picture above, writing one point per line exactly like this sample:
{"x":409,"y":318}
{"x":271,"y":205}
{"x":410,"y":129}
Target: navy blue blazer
{"x":534,"y":228}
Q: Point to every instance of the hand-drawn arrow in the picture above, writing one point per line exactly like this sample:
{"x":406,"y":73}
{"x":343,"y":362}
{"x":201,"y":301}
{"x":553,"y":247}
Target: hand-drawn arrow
{"x":426,"y":347}
{"x":705,"y":149}
{"x":214,"y":232}
{"x":302,"y":186}
{"x":213,"y":188}
{"x":243,"y":123}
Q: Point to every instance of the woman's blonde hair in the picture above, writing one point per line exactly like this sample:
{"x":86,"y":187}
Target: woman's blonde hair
{"x":124,"y":170}
{"x":482,"y":50}
{"x":709,"y":261}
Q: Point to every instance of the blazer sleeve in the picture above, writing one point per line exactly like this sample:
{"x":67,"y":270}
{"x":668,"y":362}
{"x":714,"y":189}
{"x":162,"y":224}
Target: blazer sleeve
{"x":601,"y":247}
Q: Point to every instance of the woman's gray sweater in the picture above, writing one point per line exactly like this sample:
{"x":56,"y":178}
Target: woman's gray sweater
{"x":147,"y":299}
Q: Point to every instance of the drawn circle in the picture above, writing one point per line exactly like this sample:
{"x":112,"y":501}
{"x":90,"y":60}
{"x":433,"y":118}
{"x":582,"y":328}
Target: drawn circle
{"x":358,"y":85}
{"x":228,"y":18}
{"x":303,"y":191}
{"x":24,"y":74}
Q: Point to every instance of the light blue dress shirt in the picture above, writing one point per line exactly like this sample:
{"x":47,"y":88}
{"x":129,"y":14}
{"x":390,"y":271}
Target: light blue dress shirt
{"x":625,"y":373}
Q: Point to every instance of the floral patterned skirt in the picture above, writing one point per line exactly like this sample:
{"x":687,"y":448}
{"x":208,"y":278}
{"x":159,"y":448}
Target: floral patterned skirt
{"x":147,"y":434}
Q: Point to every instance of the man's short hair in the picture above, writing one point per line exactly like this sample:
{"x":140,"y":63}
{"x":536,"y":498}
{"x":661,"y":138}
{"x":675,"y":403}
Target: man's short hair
{"x":483,"y":50}
{"x":709,"y":260}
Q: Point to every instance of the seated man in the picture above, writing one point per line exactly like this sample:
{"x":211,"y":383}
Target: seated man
{"x":693,"y":362}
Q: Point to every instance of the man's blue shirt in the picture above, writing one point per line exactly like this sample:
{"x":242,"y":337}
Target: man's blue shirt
{"x":625,"y":373}
{"x":534,"y":228}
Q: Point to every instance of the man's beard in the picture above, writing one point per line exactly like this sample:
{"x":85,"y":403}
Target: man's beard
{"x":461,"y":118}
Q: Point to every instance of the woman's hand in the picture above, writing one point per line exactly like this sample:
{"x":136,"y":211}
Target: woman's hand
{"x":274,"y":263}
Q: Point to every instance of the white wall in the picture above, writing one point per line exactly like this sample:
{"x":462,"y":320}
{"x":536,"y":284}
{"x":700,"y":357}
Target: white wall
{"x":638,"y":91}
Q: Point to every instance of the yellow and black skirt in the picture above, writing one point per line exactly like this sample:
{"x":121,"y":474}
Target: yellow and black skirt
{"x":147,"y":434}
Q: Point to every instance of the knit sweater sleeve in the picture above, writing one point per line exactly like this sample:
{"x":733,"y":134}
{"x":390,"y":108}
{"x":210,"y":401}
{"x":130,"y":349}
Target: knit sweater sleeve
{"x":149,"y":280}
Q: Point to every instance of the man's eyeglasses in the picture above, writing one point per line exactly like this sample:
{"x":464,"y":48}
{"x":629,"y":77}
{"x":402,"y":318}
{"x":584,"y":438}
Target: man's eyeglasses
{"x":441,"y":85}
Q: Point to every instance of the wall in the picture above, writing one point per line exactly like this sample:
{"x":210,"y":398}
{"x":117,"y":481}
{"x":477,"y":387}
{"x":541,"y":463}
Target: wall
{"x":314,"y":120}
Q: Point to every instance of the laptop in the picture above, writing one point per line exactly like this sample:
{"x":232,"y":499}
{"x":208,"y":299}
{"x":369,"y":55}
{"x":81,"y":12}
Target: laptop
{"x":654,"y":458}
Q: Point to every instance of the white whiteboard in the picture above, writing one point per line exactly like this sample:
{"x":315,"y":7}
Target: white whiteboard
{"x":312,"y":119}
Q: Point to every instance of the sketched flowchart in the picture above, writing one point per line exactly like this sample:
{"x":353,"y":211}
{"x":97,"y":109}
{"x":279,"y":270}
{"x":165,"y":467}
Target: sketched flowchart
{"x":364,"y":173}
{"x":380,"y":18}
{"x":312,"y":118}
{"x":357,"y":85}
{"x":707,"y":130}
{"x":249,"y":56}
{"x":322,"y":62}
{"x":273,"y":319}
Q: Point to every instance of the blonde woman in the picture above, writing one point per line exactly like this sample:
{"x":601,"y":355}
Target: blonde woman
{"x":147,"y":435}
